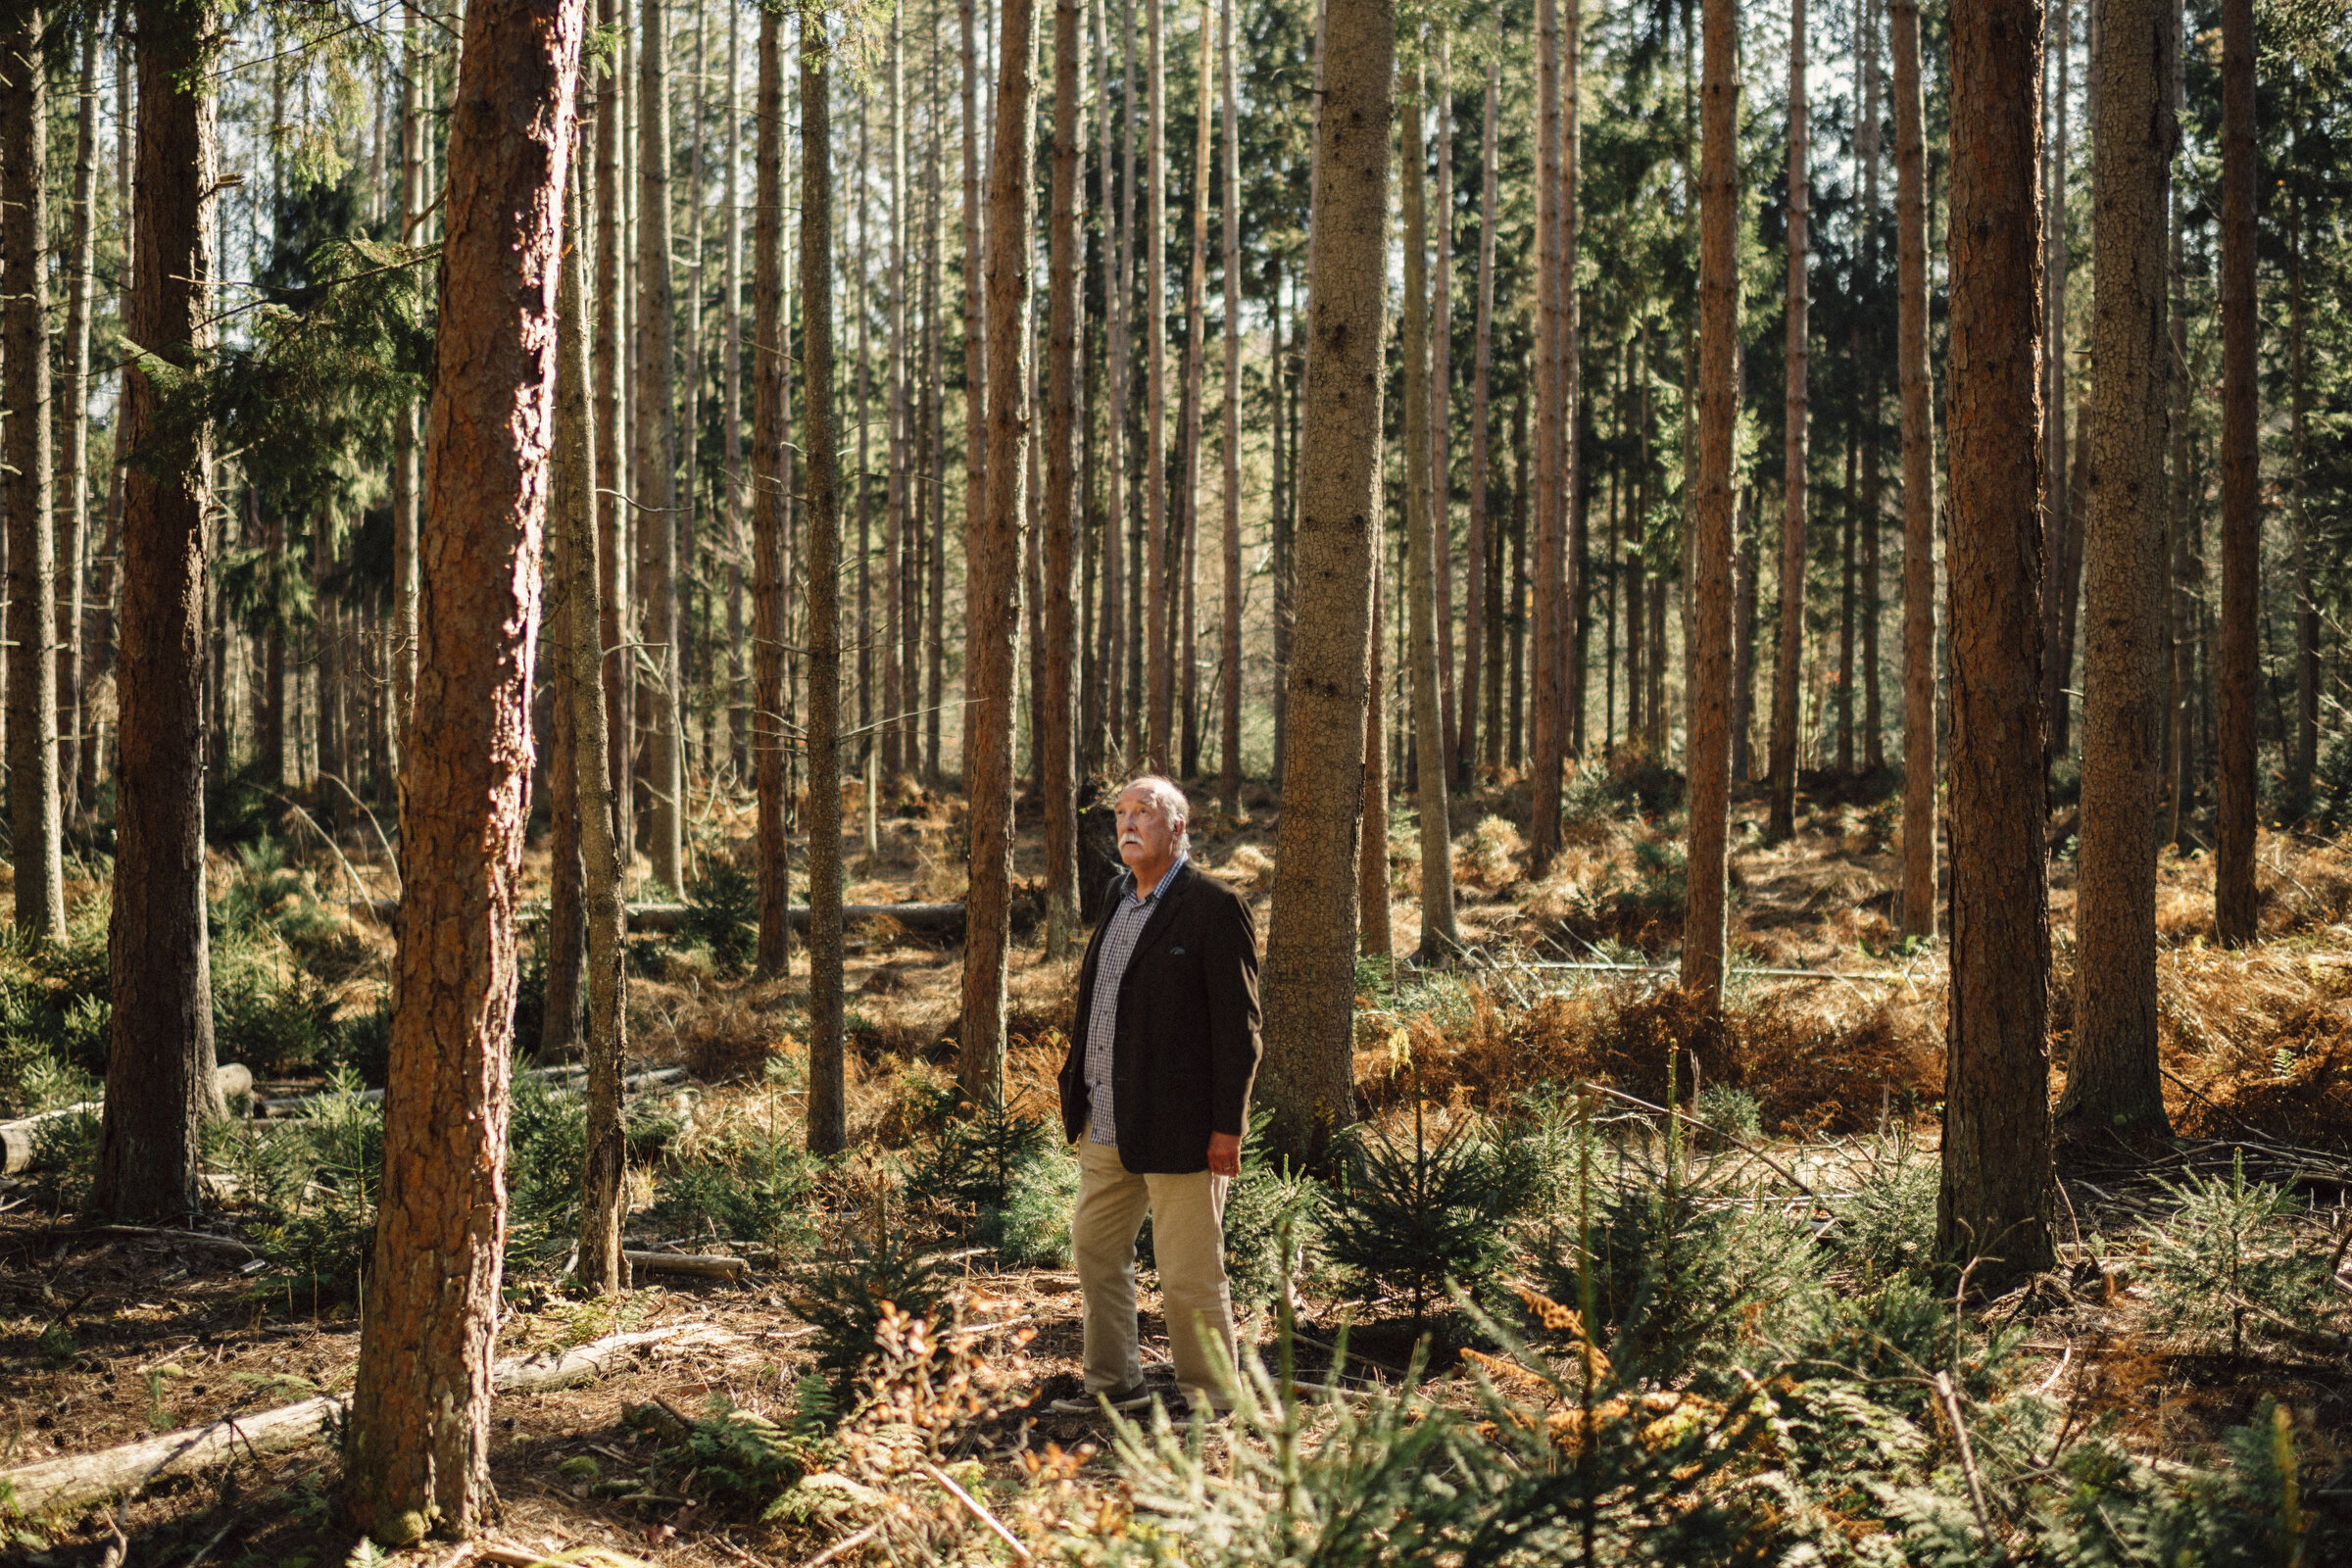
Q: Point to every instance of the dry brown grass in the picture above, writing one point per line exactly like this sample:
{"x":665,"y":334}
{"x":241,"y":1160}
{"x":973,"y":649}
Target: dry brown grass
{"x":1812,"y":1073}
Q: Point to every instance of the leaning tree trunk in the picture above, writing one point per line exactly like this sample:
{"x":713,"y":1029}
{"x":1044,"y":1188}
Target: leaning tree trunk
{"x":1056,"y":743}
{"x":1994,"y":1204}
{"x":1311,"y":936}
{"x":992,"y":590}
{"x":2113,"y":1083}
{"x":1788,"y":652}
{"x":574,"y":623}
{"x":768,"y":509}
{"x":35,"y":825}
{"x":419,"y":1449}
{"x":1919,"y":481}
{"x":828,"y":1113}
{"x":1439,"y":939}
{"x":2234,"y":905}
{"x":159,"y":1078}
{"x":1710,"y":748}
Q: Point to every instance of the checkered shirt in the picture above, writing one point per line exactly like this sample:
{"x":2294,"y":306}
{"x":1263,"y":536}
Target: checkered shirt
{"x":1125,"y":925}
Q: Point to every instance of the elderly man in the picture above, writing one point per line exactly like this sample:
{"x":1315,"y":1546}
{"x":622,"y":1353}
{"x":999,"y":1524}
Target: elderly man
{"x":1156,"y":1092}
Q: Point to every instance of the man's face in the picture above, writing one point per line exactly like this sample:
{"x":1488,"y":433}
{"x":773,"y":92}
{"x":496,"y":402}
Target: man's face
{"x":1145,"y":838}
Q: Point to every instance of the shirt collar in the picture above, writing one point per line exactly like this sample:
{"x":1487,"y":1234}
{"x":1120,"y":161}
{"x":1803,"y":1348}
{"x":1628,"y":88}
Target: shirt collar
{"x":1136,"y":893}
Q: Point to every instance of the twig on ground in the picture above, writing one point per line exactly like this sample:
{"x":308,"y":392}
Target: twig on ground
{"x":973,"y":1507}
{"x":1968,"y":1461}
{"x":846,"y":1543}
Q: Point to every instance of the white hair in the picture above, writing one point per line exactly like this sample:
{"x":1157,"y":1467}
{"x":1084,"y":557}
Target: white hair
{"x":1167,"y":798}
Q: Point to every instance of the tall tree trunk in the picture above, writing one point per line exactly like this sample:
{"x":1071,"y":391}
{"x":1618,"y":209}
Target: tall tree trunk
{"x":935,"y":557}
{"x":1440,"y":379}
{"x":739,"y":739}
{"x":2236,"y":907}
{"x":2303,"y":749}
{"x":1519,"y":585}
{"x":99,"y":661}
{"x":1564,"y":565}
{"x":158,"y":1062}
{"x":656,"y":480}
{"x":1747,"y":568}
{"x":1919,"y":746}
{"x":574,"y":621}
{"x":1056,"y":741}
{"x":2058,"y":513}
{"x":1790,"y":652}
{"x":1155,"y":411}
{"x":898,"y":676}
{"x":1311,"y":936}
{"x":828,"y":1115}
{"x":1543,"y":835}
{"x":1118,"y":271}
{"x":1474,"y":592}
{"x":1873,"y":744}
{"x":1229,"y":738}
{"x":34,"y":816}
{"x":976,"y":479}
{"x":992,"y":593}
{"x":1191,"y":464}
{"x":2184,"y":589}
{"x":1710,"y":747}
{"x":2113,"y":1083}
{"x":768,"y":428}
{"x":74,"y":428}
{"x":1439,"y":939}
{"x":419,"y":1447}
{"x":406,"y":477}
{"x":609,"y":439}
{"x":1994,"y":1204}
{"x":1849,"y":538}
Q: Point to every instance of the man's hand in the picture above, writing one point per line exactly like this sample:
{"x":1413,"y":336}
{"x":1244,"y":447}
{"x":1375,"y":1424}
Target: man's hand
{"x":1224,"y":1155}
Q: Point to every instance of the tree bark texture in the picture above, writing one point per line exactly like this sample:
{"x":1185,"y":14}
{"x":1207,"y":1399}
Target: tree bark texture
{"x":1994,"y":1204}
{"x":1474,"y":595}
{"x":1920,"y":748}
{"x":828,"y":1115}
{"x":1439,"y":939}
{"x":1155,"y":397}
{"x":73,"y":434}
{"x":2235,"y":908}
{"x":767,"y":509}
{"x":1229,"y":700}
{"x":1056,"y":741}
{"x":158,"y":1064}
{"x":2113,"y":1080}
{"x":1544,"y":833}
{"x":612,"y":377}
{"x":1789,"y":649}
{"x":1709,"y":757}
{"x":36,"y":811}
{"x":419,"y":1447}
{"x":1311,"y":940}
{"x":992,"y":595}
{"x":657,"y":487}
{"x":575,"y":615}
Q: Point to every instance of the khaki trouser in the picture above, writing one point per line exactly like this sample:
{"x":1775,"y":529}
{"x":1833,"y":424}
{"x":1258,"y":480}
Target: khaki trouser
{"x":1188,"y":1239}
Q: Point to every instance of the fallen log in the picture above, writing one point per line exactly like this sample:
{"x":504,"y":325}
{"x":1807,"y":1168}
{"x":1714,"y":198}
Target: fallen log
{"x":196,"y":1239}
{"x":931,"y":919}
{"x":569,"y":1077}
{"x":707,"y":1265}
{"x":18,"y":1137}
{"x":79,"y":1479}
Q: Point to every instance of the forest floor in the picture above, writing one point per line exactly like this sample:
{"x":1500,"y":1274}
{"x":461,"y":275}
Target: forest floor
{"x":105,"y":1338}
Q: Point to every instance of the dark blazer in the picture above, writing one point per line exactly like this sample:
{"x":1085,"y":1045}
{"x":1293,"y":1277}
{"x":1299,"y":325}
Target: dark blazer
{"x":1187,"y":1044}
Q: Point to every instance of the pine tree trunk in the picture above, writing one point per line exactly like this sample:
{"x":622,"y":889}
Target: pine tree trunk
{"x":1119,"y":271}
{"x":1710,"y":747}
{"x":158,"y":1064}
{"x":573,"y":620}
{"x":2236,"y":907}
{"x":1475,"y":621}
{"x":1056,"y":742}
{"x":1439,"y":939}
{"x":656,"y":490}
{"x":1191,"y":460}
{"x":1311,"y":934}
{"x":35,"y":816}
{"x":828,"y":1116}
{"x":1920,"y":746}
{"x":768,"y":428}
{"x":1155,"y":411}
{"x":419,"y":1455}
{"x":74,"y":431}
{"x":2113,"y":1083}
{"x":609,"y":440}
{"x":1994,"y":1204}
{"x":976,"y":477}
{"x":1847,"y":539}
{"x":1789,"y":654}
{"x":1441,"y":380}
{"x":1564,"y":565}
{"x":2059,"y":518}
{"x":406,"y":477}
{"x":739,"y":715}
{"x":1873,"y":744}
{"x":1746,"y":568}
{"x":1543,"y":835}
{"x":899,"y":682}
{"x":2183,"y":600}
{"x":992,"y":586}
{"x":1229,"y":737}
